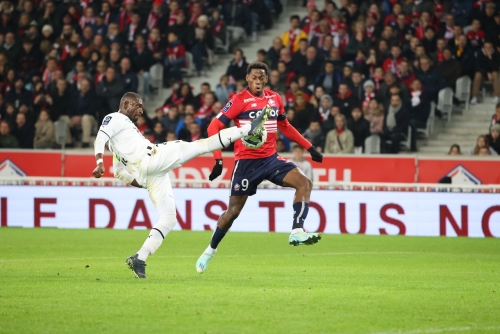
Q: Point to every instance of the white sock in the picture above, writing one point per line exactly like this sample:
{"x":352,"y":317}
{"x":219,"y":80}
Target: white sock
{"x":210,"y":250}
{"x":297,"y":230}
{"x":225,"y":137}
{"x":152,"y":243}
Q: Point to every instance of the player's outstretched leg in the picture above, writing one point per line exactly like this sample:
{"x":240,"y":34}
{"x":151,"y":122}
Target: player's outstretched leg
{"x":224,"y":223}
{"x":303,"y":186}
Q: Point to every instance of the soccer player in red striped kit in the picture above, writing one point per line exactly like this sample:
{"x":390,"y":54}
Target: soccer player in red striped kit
{"x":253,"y":166}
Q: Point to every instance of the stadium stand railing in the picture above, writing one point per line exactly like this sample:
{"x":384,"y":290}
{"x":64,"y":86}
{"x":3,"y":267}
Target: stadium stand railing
{"x":189,"y":183}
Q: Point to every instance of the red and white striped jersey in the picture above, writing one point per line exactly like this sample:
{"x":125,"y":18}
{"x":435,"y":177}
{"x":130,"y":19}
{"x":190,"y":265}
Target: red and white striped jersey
{"x":242,"y":108}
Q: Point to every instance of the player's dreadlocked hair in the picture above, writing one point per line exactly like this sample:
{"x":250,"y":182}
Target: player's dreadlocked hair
{"x":258,"y":65}
{"x":130,"y":96}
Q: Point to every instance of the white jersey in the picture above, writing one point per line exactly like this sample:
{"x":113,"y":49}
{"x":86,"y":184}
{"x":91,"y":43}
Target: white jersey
{"x":125,"y":141}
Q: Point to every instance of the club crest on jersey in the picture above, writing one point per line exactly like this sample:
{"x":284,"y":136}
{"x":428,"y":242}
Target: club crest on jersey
{"x":236,"y":187}
{"x":106,"y":120}
{"x":271,"y":102}
{"x":227,"y":106}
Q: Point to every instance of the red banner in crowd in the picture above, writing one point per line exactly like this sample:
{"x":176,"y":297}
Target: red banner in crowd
{"x":347,"y":168}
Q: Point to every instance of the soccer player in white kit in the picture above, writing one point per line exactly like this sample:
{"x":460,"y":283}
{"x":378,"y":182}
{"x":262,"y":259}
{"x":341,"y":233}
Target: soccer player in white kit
{"x":142,"y":164}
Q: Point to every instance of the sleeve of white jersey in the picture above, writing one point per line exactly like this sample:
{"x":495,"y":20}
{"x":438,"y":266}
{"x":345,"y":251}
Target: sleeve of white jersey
{"x":120,"y":172}
{"x":106,"y":132}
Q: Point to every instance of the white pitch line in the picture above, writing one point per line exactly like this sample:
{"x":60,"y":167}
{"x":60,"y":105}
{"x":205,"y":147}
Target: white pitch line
{"x":223,"y":256}
{"x":443,"y":330}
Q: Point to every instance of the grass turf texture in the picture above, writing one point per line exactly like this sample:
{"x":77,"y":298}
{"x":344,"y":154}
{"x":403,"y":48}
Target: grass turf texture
{"x":76,"y":281}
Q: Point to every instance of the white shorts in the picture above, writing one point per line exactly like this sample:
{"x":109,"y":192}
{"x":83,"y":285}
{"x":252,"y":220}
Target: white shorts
{"x":164,"y":158}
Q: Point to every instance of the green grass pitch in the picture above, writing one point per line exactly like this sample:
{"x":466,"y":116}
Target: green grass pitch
{"x":76,"y":281}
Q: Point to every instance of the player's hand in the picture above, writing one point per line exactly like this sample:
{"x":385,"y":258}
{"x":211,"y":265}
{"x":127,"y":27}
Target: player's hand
{"x":98,"y":171}
{"x":216,"y":171}
{"x":315,"y":155}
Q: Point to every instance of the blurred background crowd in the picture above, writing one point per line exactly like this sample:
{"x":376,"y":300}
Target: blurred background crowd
{"x":347,"y":71}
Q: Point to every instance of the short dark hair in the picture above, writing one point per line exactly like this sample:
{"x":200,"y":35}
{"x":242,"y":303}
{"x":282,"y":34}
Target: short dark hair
{"x":257,"y":65}
{"x":262,"y":52}
{"x":294,"y":17}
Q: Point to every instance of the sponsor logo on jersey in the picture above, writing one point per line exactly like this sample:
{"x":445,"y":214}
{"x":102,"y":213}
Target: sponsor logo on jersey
{"x":271,"y":102}
{"x":106,"y":120}
{"x":236,"y":187}
{"x":227,"y":106}
{"x":249,"y":100}
{"x":253,"y":114}
{"x":253,"y":105}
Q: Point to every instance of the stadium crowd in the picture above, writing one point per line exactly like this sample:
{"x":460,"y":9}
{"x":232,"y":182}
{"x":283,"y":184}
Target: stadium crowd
{"x":366,"y":68}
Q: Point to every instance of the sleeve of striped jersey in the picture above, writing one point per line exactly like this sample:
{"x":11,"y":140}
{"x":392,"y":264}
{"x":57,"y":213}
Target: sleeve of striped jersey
{"x":291,"y":133}
{"x":230,"y":111}
{"x":213,"y":129}
{"x":281,"y":111}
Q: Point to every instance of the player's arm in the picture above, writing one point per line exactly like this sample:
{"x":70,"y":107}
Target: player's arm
{"x":122,"y":174}
{"x":291,"y":133}
{"x":105,"y":133}
{"x":222,"y":119}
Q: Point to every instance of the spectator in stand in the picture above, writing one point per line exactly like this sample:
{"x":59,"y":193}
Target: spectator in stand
{"x":359,"y":64}
{"x":274,"y":52}
{"x":58,"y":103}
{"x":466,"y":56}
{"x":420,"y":109}
{"x":369,"y":93}
{"x":493,"y":32}
{"x":183,"y":128}
{"x":495,"y":119}
{"x":389,"y":80}
{"x":430,"y":40}
{"x":170,"y":136}
{"x":315,"y":135}
{"x":430,"y":78}
{"x":238,"y":19}
{"x":286,"y":75}
{"x":476,"y":35}
{"x":155,"y":44}
{"x":494,"y":138}
{"x":292,"y":37}
{"x":7,"y":140}
{"x":316,"y":97}
{"x":359,"y":127}
{"x":110,"y":90}
{"x":482,"y":143}
{"x":174,"y":60}
{"x":396,"y":122}
{"x":454,"y":150}
{"x":142,"y":60}
{"x":171,"y":120}
{"x":302,"y":81}
{"x":329,"y":124}
{"x":206,"y":111}
{"x":275,"y":83}
{"x":300,"y":161}
{"x":19,"y":95}
{"x":324,"y":46}
{"x":11,"y":48}
{"x":324,"y":107}
{"x":262,"y":57}
{"x":486,"y":68}
{"x":97,"y":45}
{"x":404,"y":74}
{"x":24,"y":131}
{"x":449,"y":68}
{"x":223,"y":89}
{"x":44,"y":131}
{"x":329,"y":79}
{"x":29,"y":58}
{"x":82,"y":111}
{"x":340,"y":140}
{"x":357,"y":85}
{"x":238,"y":67}
{"x":127,"y":76}
{"x":304,"y":112}
{"x":335,"y":57}
{"x":374,"y":114}
{"x":294,"y":62}
{"x":158,"y":133}
{"x":357,"y":41}
{"x":345,"y":100}
{"x":203,"y":42}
